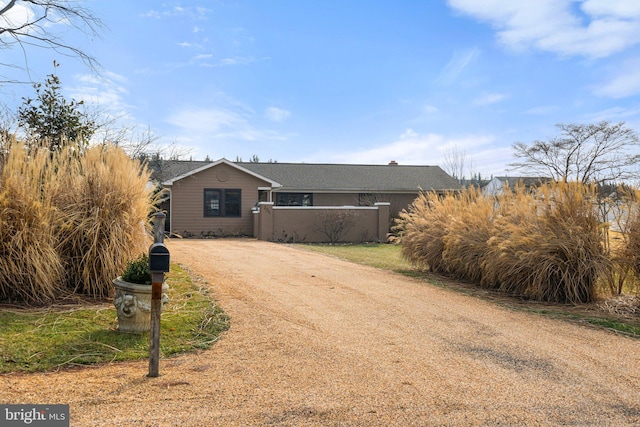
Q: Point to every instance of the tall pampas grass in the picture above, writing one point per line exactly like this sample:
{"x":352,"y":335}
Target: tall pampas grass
{"x":554,"y":251}
{"x":421,"y":230}
{"x":470,"y":226}
{"x":30,"y":266}
{"x":69,"y":221}
{"x":545,"y":245}
{"x":103,"y":203}
{"x":630,"y":252}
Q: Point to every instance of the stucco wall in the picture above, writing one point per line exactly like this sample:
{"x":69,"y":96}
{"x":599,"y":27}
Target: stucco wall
{"x":397,"y":201}
{"x":306,"y":224}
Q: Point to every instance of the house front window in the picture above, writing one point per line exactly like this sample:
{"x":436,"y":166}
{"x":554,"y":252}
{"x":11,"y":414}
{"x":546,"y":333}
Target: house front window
{"x":294,"y":199}
{"x":222,"y":202}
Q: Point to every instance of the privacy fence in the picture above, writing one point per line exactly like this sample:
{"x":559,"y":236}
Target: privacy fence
{"x":321,"y":224}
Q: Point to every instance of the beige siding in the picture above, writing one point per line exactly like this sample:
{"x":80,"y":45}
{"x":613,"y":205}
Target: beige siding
{"x":187,"y":202}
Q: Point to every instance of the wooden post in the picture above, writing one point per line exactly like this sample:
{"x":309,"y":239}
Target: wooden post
{"x":156,"y":310}
{"x":157,"y":279}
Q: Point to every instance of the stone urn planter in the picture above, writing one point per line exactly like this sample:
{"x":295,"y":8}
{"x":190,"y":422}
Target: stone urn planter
{"x":133,"y":303}
{"x":133,"y":297}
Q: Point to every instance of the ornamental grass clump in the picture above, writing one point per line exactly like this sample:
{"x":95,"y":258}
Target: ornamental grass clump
{"x":554,"y":251}
{"x":70,"y":220}
{"x":30,"y":266}
{"x":103,"y":203}
{"x":545,"y":246}
{"x":422,"y":229}
{"x":630,"y":252}
{"x":469,"y":228}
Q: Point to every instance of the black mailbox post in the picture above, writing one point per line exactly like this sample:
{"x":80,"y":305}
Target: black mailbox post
{"x":158,"y":258}
{"x":158,"y":265}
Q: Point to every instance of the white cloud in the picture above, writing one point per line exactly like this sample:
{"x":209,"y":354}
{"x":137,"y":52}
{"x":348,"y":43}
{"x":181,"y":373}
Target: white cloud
{"x":625,"y":81}
{"x":605,"y":27}
{"x":207,"y":121}
{"x":412,"y":148}
{"x":16,"y":16}
{"x":105,"y":92}
{"x":237,"y":60}
{"x":203,"y":56}
{"x":275,"y":114}
{"x":613,"y":114}
{"x":222,"y":128}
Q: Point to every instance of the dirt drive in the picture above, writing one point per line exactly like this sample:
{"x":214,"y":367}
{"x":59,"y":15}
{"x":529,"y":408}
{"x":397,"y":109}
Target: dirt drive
{"x":315,"y":341}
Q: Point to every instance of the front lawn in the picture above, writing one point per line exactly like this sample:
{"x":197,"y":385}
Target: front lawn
{"x":47,"y":339}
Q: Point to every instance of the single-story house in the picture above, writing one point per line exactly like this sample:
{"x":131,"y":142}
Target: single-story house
{"x":218,"y":198}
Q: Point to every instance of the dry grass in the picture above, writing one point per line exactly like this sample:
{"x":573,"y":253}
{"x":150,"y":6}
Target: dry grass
{"x":465,"y":244}
{"x":103,"y":206}
{"x":555,"y":255}
{"x":30,"y":267}
{"x":629,"y":254}
{"x":422,"y":230}
{"x":545,"y":246}
{"x":69,"y":222}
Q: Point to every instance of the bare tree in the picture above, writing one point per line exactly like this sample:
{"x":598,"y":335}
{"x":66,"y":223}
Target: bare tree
{"x":335,"y":224}
{"x":454,"y":162}
{"x":602,"y":152}
{"x":26,"y":23}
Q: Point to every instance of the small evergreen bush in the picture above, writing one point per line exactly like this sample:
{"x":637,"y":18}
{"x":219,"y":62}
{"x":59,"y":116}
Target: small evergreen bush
{"x":137,"y":271}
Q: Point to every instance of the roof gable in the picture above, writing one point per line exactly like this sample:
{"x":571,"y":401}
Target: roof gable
{"x":209,"y":165}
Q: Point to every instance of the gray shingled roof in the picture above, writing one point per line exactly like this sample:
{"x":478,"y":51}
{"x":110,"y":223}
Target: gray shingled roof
{"x":361,"y":178}
{"x":335,"y":177}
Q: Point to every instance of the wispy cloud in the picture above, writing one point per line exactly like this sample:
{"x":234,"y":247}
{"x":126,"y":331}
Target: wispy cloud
{"x":16,"y":16}
{"x":429,"y":109}
{"x":490,"y":98}
{"x":106,"y":92}
{"x":542,"y":110}
{"x":413,"y":148}
{"x":275,"y":114}
{"x":624,"y":81}
{"x":604,"y":27}
{"x":170,"y":12}
{"x":220,"y":128}
{"x":456,"y":65}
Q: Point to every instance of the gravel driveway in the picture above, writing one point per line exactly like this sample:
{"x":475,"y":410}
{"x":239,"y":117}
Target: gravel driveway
{"x":315,"y":341}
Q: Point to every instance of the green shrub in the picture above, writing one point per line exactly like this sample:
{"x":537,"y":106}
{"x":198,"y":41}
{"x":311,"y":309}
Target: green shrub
{"x":137,"y":271}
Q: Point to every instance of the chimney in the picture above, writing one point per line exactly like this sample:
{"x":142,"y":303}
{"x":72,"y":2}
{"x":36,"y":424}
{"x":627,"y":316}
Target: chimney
{"x":393,"y":163}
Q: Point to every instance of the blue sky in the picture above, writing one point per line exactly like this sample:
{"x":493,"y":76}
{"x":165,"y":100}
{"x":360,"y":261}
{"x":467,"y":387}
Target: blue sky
{"x":353,"y":81}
